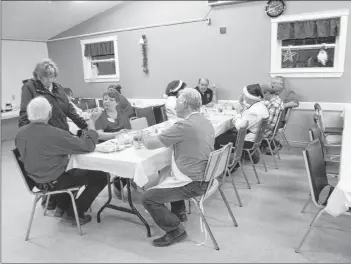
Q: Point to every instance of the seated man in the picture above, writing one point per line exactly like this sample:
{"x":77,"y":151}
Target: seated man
{"x":206,"y":93}
{"x":45,"y":151}
{"x":274,"y":106}
{"x":192,"y":139}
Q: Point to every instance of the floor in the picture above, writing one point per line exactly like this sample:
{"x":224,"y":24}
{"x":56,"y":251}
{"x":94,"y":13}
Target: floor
{"x":270,"y":225}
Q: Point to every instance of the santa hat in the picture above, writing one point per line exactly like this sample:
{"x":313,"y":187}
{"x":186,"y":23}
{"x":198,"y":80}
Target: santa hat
{"x":174,"y":87}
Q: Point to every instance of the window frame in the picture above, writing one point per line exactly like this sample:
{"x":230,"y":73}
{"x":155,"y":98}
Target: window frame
{"x":340,"y":47}
{"x":87,"y":62}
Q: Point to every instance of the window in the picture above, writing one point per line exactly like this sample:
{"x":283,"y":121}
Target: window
{"x":309,"y":45}
{"x":100,"y":59}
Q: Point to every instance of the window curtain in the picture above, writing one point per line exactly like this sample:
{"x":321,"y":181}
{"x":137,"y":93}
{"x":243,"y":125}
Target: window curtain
{"x":309,"y":29}
{"x":99,"y":49}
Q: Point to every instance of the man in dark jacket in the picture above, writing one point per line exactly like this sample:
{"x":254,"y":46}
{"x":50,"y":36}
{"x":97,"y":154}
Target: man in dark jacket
{"x":206,"y":93}
{"x":44,"y":151}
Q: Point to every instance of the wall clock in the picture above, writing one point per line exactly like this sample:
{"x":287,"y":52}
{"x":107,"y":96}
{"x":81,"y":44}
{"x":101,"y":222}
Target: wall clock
{"x":275,"y":8}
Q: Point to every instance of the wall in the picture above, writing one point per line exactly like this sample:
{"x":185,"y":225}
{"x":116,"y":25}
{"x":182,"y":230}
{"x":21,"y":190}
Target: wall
{"x":18,"y":61}
{"x":189,"y":51}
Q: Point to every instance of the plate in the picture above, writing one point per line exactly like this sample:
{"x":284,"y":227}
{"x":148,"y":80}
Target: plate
{"x":108,"y":147}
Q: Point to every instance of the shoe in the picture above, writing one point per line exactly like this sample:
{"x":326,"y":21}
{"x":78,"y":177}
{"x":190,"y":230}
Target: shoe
{"x":182,"y":217}
{"x":170,"y":238}
{"x":51,"y":205}
{"x":83,"y":219}
{"x":59,"y":212}
{"x":256,"y":157}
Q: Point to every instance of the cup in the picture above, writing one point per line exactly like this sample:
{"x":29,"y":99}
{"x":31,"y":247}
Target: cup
{"x":137,"y":140}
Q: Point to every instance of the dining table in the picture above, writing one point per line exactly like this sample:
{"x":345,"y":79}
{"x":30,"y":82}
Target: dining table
{"x":139,"y":164}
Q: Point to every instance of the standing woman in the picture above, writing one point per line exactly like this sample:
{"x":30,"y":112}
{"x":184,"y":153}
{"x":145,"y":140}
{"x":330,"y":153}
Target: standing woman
{"x":44,"y":84}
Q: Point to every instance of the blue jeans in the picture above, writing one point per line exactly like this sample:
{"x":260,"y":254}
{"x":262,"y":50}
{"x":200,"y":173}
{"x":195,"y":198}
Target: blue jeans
{"x":154,"y":202}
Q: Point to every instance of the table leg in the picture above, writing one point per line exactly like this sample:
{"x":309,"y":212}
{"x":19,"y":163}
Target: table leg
{"x":133,"y":210}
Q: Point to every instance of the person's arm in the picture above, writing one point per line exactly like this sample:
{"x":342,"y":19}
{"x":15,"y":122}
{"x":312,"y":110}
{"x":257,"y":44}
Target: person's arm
{"x":26,"y":97}
{"x":77,"y":119}
{"x":291,"y":100}
{"x":64,"y":143}
{"x":167,"y":138}
{"x":107,"y":135}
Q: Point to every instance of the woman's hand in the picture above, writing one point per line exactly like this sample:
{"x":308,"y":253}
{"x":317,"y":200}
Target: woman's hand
{"x":95,"y":114}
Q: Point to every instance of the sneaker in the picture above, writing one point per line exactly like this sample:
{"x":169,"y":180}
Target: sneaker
{"x":170,"y":238}
{"x":83,"y":219}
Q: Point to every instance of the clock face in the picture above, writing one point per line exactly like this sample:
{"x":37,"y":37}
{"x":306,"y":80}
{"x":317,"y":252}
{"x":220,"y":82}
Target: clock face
{"x":275,"y":8}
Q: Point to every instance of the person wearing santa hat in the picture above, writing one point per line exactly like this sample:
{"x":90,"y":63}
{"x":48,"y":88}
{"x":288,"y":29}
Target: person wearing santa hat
{"x":170,"y":95}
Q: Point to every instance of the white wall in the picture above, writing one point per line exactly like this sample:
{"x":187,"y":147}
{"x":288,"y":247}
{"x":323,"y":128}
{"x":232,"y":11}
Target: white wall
{"x":18,"y":61}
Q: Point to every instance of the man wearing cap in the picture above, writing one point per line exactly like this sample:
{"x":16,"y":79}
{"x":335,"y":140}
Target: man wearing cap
{"x":170,"y":95}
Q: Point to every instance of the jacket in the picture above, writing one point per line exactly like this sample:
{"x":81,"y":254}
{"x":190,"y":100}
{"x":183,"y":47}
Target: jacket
{"x":61,"y":107}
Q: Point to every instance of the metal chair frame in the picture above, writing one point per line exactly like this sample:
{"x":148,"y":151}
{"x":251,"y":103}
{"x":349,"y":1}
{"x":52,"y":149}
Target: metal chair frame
{"x":256,"y":146}
{"x":30,"y":185}
{"x":220,"y":159}
{"x":312,"y":197}
{"x":281,"y":131}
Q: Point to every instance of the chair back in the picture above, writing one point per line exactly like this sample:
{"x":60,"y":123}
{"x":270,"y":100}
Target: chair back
{"x":319,"y":113}
{"x":260,"y":133}
{"x":30,"y":184}
{"x":217,"y":162}
{"x":279,"y":120}
{"x":160,"y":113}
{"x":101,"y":103}
{"x":146,"y":112}
{"x":138,"y":123}
{"x":285,"y":119}
{"x":239,"y":145}
{"x":316,"y":169}
{"x":89,"y":102}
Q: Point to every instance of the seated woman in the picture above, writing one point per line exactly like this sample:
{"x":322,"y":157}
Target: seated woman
{"x":112,"y":119}
{"x":206,"y":93}
{"x":124,"y":105}
{"x":171,"y":94}
{"x":252,"y":110}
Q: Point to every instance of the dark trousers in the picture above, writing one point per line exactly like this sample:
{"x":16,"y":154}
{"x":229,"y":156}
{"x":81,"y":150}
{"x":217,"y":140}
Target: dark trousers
{"x":117,"y":183}
{"x":154,"y":202}
{"x":230,"y":136}
{"x":94,"y":182}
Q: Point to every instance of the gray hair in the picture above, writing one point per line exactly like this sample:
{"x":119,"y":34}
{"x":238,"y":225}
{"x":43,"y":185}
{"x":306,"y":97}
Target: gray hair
{"x":38,"y":109}
{"x":45,"y":68}
{"x":191,"y":98}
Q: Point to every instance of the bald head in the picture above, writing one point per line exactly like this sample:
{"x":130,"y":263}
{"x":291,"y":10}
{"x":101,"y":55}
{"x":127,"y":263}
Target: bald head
{"x":203,"y":84}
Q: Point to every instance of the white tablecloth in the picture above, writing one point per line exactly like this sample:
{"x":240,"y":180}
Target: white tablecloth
{"x":137,"y":164}
{"x":340,"y":199}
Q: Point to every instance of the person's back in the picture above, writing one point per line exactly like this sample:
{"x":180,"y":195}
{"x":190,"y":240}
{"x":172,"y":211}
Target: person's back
{"x":254,"y":115}
{"x":192,"y":152}
{"x":45,"y":150}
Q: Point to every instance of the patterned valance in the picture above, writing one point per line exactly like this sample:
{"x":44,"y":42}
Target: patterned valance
{"x":309,"y":29}
{"x":99,"y":49}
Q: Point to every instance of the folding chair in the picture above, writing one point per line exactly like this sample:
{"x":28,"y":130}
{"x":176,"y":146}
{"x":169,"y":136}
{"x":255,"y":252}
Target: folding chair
{"x":256,"y":146}
{"x":90,"y":102}
{"x":328,"y":140}
{"x":216,"y":167}
{"x":317,"y":179}
{"x":238,"y":150}
{"x":138,"y":123}
{"x":332,"y":162}
{"x":31,"y":185}
{"x":281,"y":131}
{"x":146,"y":112}
{"x":326,"y":130}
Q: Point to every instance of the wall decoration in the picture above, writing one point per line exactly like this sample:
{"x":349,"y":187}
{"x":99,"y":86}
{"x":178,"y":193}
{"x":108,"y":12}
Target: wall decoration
{"x":143,"y":43}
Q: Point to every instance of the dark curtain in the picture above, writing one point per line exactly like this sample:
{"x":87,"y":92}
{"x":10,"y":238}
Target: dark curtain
{"x":309,"y":29}
{"x":99,"y":49}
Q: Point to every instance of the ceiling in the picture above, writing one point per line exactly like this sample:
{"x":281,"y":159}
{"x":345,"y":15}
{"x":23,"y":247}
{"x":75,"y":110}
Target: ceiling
{"x":42,"y":20}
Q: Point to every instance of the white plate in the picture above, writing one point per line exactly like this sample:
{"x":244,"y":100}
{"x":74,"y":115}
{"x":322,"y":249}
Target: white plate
{"x":108,"y":147}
